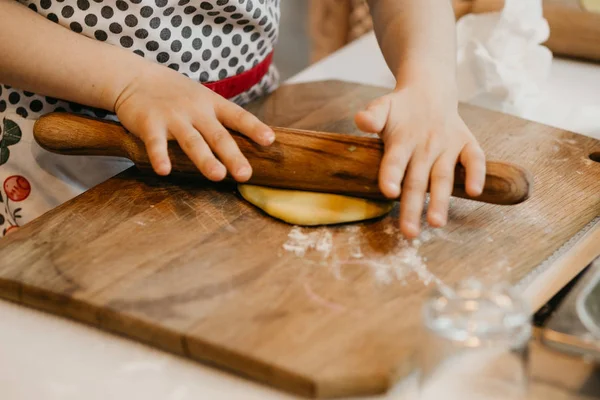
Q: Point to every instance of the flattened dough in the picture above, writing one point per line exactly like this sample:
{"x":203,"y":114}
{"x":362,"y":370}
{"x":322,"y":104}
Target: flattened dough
{"x":311,"y":208}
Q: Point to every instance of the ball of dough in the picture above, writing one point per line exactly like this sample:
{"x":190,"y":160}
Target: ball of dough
{"x":312,"y":208}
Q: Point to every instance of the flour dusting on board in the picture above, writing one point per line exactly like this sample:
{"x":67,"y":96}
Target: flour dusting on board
{"x":299,"y":242}
{"x":318,"y":246}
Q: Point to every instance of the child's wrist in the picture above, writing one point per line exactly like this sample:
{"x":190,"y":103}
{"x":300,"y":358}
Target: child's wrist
{"x":442,"y":90}
{"x":427,"y":74}
{"x":130,"y":73}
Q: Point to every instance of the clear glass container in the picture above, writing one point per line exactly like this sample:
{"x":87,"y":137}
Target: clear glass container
{"x":475,"y":344}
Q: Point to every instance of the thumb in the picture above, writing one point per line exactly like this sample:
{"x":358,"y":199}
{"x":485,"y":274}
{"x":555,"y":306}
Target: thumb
{"x":375,"y":116}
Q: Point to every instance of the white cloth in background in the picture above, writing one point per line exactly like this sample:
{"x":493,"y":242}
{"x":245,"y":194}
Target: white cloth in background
{"x":502,"y":63}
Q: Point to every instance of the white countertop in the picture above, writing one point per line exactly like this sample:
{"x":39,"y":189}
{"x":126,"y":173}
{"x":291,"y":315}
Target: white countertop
{"x":50,"y":358}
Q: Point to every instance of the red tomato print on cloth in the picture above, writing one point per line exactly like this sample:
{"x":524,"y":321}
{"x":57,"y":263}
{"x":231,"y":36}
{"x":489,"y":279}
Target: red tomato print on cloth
{"x":10,"y":229}
{"x":17,"y":188}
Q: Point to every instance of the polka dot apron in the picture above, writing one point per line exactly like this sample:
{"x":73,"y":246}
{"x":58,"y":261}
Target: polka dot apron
{"x":212,"y":42}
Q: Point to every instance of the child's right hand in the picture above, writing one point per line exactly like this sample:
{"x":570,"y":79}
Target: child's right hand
{"x":162,"y":104}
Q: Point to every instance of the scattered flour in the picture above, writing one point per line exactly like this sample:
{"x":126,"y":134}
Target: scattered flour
{"x":587,"y":161}
{"x":398,"y":264}
{"x":389,"y":230}
{"x":325,"y":244}
{"x":318,"y":246}
{"x":300,"y":243}
{"x":355,"y":249}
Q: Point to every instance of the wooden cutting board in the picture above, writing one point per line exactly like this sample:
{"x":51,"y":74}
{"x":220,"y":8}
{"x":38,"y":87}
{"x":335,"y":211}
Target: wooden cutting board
{"x":192,"y":269}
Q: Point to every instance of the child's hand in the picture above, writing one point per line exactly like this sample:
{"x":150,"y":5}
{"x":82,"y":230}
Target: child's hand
{"x":424,"y":139}
{"x":161,"y":104}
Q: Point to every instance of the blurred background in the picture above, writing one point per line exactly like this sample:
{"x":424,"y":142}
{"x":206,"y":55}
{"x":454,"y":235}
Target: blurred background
{"x":313,"y":29}
{"x":292,"y":51}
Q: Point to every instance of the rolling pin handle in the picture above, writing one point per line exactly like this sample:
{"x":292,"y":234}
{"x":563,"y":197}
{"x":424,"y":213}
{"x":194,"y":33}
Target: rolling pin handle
{"x":72,"y":134}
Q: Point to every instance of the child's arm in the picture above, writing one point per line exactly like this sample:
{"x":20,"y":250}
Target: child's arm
{"x":423,"y":133}
{"x":152,"y":101}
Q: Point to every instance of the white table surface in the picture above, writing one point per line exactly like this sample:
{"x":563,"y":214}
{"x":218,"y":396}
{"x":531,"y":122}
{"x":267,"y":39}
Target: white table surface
{"x":50,"y":358}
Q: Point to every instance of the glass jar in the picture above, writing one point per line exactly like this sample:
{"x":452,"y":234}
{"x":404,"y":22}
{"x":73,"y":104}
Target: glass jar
{"x":475,"y":344}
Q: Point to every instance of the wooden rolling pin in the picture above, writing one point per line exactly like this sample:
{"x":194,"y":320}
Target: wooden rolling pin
{"x":301,"y":160}
{"x":574,"y":31}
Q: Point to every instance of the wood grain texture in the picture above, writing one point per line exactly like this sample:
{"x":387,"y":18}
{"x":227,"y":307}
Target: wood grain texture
{"x":192,"y":269}
{"x":298,"y":160}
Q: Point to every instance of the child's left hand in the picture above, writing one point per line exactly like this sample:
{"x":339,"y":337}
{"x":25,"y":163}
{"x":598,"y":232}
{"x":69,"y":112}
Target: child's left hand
{"x":424,"y":138}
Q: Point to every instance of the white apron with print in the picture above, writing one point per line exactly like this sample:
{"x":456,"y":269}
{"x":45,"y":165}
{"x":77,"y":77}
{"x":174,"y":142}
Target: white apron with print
{"x":33,"y":180}
{"x":206,"y":41}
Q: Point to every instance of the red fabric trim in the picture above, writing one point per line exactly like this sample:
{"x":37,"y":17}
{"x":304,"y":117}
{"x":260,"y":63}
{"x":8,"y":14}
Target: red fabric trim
{"x":237,"y":84}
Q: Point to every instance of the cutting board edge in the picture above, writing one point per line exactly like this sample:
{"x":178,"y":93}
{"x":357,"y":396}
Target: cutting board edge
{"x":36,"y":298}
{"x":319,"y":383}
{"x":309,"y":386}
{"x":181,"y":345}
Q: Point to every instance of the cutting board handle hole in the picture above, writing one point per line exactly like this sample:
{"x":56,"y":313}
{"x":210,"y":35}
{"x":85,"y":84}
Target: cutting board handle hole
{"x":595,"y":156}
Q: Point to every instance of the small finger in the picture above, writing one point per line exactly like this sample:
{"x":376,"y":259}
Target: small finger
{"x":235,"y":117}
{"x":412,"y":199}
{"x":198,"y":151}
{"x":441,"y":187}
{"x":223,"y":145}
{"x":473,"y":159}
{"x":374,"y":118}
{"x":156,"y":147}
{"x":393,"y":167}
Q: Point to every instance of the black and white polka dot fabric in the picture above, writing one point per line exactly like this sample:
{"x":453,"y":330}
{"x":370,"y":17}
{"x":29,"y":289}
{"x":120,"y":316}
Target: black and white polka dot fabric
{"x":204,"y":40}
